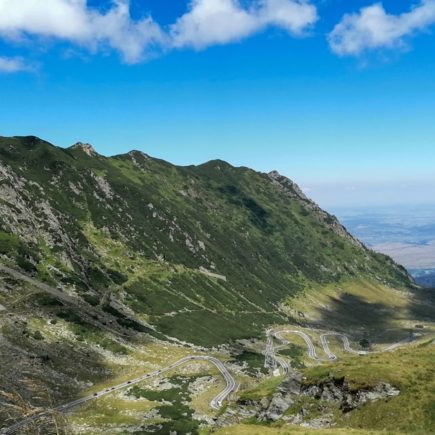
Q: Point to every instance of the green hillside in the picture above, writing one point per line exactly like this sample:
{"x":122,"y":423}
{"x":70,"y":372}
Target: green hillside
{"x":115,"y":267}
{"x":140,"y":233}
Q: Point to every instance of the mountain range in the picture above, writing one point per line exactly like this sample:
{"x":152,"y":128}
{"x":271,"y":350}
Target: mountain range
{"x":108,"y":262}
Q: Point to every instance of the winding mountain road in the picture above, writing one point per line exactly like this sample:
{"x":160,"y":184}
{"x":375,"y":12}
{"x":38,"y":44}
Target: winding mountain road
{"x":283,"y":363}
{"x":310,"y":345}
{"x":346,"y":345}
{"x":216,"y":402}
{"x":271,"y":360}
{"x":270,"y":354}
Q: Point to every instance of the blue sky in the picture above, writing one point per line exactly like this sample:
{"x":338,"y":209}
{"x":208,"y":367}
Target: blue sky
{"x":344,"y":106}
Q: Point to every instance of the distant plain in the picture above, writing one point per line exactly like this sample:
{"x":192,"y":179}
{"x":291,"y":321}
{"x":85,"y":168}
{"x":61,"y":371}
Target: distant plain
{"x":406,"y":233}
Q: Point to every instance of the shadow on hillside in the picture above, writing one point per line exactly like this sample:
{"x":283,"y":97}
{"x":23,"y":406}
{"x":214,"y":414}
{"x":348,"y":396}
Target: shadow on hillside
{"x":350,"y":313}
{"x":422,"y":307}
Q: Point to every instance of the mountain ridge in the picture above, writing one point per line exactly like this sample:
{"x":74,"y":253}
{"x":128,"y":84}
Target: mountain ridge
{"x":123,"y":276}
{"x":140,"y":229}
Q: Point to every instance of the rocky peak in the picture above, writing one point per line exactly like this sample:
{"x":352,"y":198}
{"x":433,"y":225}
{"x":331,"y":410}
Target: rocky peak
{"x":287,"y":185}
{"x":138,"y":154}
{"x":86,"y":148}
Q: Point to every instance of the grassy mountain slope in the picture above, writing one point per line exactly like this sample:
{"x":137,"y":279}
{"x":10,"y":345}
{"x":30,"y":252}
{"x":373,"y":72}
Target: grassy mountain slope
{"x":103,"y":249}
{"x":137,"y":232}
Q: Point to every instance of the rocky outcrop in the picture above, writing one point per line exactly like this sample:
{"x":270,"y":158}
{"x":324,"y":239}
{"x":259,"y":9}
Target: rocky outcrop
{"x":86,"y":148}
{"x":295,"y":394}
{"x":292,"y":190}
{"x":339,"y":392}
{"x":26,"y":212}
{"x":288,"y":186}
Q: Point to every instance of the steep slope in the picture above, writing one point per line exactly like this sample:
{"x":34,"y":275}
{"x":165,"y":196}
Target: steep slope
{"x":205,"y":253}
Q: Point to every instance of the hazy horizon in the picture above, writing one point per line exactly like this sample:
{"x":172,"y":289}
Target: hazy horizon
{"x":332,"y":193}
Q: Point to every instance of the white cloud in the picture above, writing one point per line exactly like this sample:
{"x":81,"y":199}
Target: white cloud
{"x":206,"y":22}
{"x":294,"y":16}
{"x":11,"y":65}
{"x":74,"y":21}
{"x":210,"y":22}
{"x":373,"y":28}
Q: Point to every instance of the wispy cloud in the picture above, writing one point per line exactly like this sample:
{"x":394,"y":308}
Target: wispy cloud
{"x":12,"y":65}
{"x":206,"y":22}
{"x":373,"y":28}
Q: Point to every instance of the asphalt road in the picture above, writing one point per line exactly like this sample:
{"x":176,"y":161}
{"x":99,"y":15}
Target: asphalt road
{"x":310,"y":345}
{"x":271,"y":360}
{"x":283,"y":363}
{"x":346,"y":345}
{"x":271,"y":355}
{"x":216,"y":403}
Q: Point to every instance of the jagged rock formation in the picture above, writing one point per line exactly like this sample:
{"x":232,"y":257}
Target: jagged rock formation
{"x":289,"y":402}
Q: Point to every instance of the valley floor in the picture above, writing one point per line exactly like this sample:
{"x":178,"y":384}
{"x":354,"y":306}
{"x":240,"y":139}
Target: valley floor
{"x":49,"y":356}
